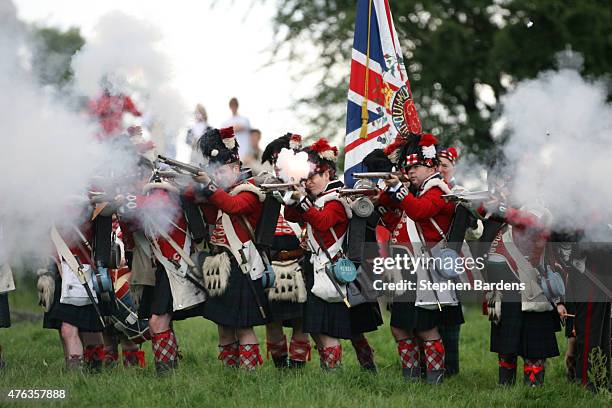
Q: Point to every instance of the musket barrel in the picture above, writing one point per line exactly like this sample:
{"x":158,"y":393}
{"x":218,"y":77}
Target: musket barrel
{"x":277,"y":186}
{"x":468,"y":196}
{"x":180,"y":165}
{"x":375,"y":175}
{"x":357,"y":191}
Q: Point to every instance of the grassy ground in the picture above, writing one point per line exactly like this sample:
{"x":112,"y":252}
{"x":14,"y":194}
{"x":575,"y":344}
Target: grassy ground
{"x":35,"y":361}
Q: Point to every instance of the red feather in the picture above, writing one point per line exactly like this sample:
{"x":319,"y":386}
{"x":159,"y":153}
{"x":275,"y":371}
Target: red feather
{"x":227,"y":132}
{"x":427,"y":139}
{"x":396,"y":144}
{"x":320,"y":146}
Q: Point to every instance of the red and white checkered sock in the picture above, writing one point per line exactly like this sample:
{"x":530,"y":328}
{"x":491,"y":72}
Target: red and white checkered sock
{"x":229,"y":354}
{"x":277,"y":349}
{"x":164,"y":347}
{"x":299,"y":350}
{"x":331,"y":357}
{"x":408,"y":350}
{"x":434,"y":353}
{"x":250,"y":357}
{"x":364,"y":352}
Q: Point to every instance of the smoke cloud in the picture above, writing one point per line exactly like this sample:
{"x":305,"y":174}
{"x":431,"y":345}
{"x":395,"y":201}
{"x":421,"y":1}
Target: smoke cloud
{"x":124,"y":53}
{"x":294,"y":167}
{"x":50,"y":155}
{"x":561,"y":145}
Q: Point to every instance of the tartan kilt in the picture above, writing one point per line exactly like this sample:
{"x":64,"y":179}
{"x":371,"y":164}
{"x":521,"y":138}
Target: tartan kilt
{"x":5,"y":312}
{"x":84,"y":318}
{"x":365,"y":318}
{"x":237,"y":306}
{"x":285,"y":311}
{"x":331,"y":319}
{"x":451,"y":335}
{"x":407,"y":316}
{"x":527,"y":334}
{"x":321,"y":317}
{"x":157,"y":300}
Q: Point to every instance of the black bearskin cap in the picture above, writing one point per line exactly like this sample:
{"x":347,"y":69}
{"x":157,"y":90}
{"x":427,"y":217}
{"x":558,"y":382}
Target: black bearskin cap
{"x":377,"y":161}
{"x":219,"y":146}
{"x":274,"y":147}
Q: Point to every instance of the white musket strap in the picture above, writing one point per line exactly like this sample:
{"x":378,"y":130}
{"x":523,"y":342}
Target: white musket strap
{"x":173,"y":244}
{"x":67,"y":255}
{"x":411,"y":227}
{"x":526,"y":271}
{"x":334,"y":234}
{"x":295,"y":227}
{"x":315,"y":245}
{"x":425,"y":249}
{"x":437,"y":227}
{"x":85,"y":241}
{"x":236,"y":245}
{"x":176,"y":226}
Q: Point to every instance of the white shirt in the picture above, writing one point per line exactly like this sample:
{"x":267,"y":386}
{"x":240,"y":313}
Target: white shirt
{"x":242,"y":137}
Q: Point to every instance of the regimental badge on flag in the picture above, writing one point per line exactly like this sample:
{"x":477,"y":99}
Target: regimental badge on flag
{"x":380,"y":104}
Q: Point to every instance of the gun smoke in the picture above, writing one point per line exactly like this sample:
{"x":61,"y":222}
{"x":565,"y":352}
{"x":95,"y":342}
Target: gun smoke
{"x":294,"y":167}
{"x":50,"y":157}
{"x":124,"y":56}
{"x":560,"y":143}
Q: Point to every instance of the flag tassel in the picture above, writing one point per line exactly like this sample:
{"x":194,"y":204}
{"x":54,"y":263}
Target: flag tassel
{"x":363,"y":133}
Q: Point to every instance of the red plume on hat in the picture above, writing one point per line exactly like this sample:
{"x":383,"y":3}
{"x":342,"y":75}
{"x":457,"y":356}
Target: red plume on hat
{"x":421,"y":151}
{"x":427,"y":139}
{"x":228,"y":137}
{"x":393,"y":151}
{"x":324,"y":150}
{"x":295,"y":142}
{"x":428,"y":144}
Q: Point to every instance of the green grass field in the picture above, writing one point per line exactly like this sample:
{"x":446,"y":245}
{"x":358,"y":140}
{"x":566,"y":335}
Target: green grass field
{"x":35,"y":361}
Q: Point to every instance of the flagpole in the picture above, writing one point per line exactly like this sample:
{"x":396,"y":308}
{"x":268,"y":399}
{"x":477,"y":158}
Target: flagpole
{"x":363,"y":133}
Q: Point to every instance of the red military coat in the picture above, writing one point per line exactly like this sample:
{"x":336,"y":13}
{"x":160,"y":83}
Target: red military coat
{"x":243,"y":200}
{"x":426,"y":205}
{"x":325,"y":214}
{"x":529,"y":234}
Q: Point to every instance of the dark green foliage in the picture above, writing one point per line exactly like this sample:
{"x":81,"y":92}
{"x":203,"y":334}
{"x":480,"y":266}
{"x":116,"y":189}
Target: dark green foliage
{"x":53,"y":50}
{"x":450,"y":47}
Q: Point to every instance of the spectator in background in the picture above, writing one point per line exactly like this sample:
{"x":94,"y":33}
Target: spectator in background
{"x":253,"y":159}
{"x":196,"y":131}
{"x":242,"y":128}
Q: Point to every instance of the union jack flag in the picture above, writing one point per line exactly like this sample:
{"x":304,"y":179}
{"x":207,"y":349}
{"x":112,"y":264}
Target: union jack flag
{"x":377,"y":71}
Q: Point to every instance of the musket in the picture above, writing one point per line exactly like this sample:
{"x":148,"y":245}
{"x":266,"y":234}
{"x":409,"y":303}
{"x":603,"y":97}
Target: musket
{"x":468,"y":196}
{"x":345,"y":192}
{"x":245,"y":172}
{"x":189,"y":168}
{"x":168,"y":173}
{"x":268,"y":187}
{"x":377,"y":175}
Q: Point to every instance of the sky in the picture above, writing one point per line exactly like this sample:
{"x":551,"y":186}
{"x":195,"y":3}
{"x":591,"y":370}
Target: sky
{"x":217,"y":53}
